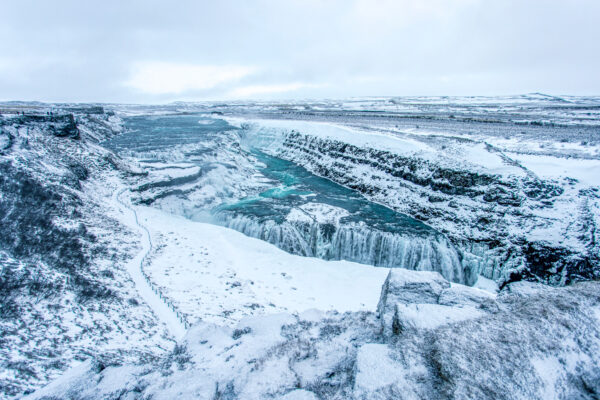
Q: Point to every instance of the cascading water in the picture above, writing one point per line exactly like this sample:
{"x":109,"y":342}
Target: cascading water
{"x":311,"y":216}
{"x":353,"y":242}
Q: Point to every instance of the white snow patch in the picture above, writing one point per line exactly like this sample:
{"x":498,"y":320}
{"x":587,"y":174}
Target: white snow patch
{"x":372,"y":139}
{"x":379,"y":374}
{"x":317,"y":212}
{"x":486,"y":284}
{"x":375,"y":369}
{"x":587,"y":172}
{"x":299,"y":394}
{"x":550,"y":371}
{"x":66,"y":381}
{"x":177,"y":172}
{"x":432,"y":316}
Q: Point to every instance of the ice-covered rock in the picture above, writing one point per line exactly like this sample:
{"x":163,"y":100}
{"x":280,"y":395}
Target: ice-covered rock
{"x":425,"y":300}
{"x":464,"y":295}
{"x":430,"y":316}
{"x":407,"y":287}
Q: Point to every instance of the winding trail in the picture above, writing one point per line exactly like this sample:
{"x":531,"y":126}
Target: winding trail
{"x":164,"y":312}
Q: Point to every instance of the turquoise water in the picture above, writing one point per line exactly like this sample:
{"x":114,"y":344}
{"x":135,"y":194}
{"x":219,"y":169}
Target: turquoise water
{"x":295,"y":187}
{"x":292,"y":185}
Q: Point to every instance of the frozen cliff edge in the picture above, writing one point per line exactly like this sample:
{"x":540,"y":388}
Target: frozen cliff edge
{"x":507,"y":223}
{"x":358,"y":243}
{"x":428,"y":339}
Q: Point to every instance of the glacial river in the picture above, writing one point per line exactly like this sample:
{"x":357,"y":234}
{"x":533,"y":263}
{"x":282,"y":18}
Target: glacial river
{"x":290,"y":207}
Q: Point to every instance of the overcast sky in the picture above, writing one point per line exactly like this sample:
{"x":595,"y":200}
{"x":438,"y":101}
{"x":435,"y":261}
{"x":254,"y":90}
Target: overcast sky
{"x":160,"y":51}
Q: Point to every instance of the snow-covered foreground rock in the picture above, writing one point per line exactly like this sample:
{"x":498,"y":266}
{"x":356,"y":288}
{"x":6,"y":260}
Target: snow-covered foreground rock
{"x":428,"y":339}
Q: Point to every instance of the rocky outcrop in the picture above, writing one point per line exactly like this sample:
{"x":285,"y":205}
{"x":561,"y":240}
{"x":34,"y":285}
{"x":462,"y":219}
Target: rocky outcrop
{"x":172,"y":182}
{"x":57,"y":272}
{"x":426,"y":300}
{"x":59,"y":125}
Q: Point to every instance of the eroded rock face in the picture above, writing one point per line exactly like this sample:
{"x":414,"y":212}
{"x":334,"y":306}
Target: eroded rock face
{"x":429,"y":339}
{"x":59,"y":125}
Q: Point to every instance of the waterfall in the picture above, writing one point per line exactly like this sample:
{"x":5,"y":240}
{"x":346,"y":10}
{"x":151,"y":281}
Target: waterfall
{"x":354,"y":242}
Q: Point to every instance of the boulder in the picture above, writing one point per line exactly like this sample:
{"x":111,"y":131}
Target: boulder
{"x":464,"y":295}
{"x":412,"y":300}
{"x":404,"y":286}
{"x":430,"y":316}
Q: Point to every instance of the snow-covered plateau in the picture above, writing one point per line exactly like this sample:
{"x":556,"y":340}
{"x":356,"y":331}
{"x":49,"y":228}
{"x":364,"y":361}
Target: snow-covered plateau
{"x":369,"y":248}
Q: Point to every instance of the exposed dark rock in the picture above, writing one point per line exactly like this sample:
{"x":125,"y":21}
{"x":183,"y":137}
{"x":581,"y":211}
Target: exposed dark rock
{"x":91,"y":110}
{"x":6,"y":141}
{"x":172,"y":182}
{"x":59,"y":125}
{"x":71,"y":180}
{"x":502,"y":197}
{"x":79,"y":170}
{"x":435,"y":199}
{"x":554,"y":265}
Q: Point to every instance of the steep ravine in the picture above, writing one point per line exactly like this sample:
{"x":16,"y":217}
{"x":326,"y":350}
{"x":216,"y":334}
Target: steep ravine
{"x":488,"y":217}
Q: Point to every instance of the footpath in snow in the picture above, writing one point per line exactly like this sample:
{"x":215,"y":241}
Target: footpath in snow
{"x":164,"y":311}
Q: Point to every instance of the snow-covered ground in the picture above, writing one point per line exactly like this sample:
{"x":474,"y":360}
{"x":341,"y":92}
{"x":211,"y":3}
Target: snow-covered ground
{"x":161,"y":309}
{"x":219,"y":275}
{"x":428,"y":339}
{"x":585,"y":171}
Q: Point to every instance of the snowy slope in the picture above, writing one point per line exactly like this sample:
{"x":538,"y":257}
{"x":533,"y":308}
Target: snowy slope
{"x":429,"y":339}
{"x":66,"y":295}
{"x":219,"y":275}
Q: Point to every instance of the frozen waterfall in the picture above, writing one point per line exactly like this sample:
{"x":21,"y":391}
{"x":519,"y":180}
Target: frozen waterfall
{"x":355,"y":242}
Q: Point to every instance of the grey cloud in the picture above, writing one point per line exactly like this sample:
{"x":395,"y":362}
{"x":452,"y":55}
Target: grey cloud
{"x":83,"y":51}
